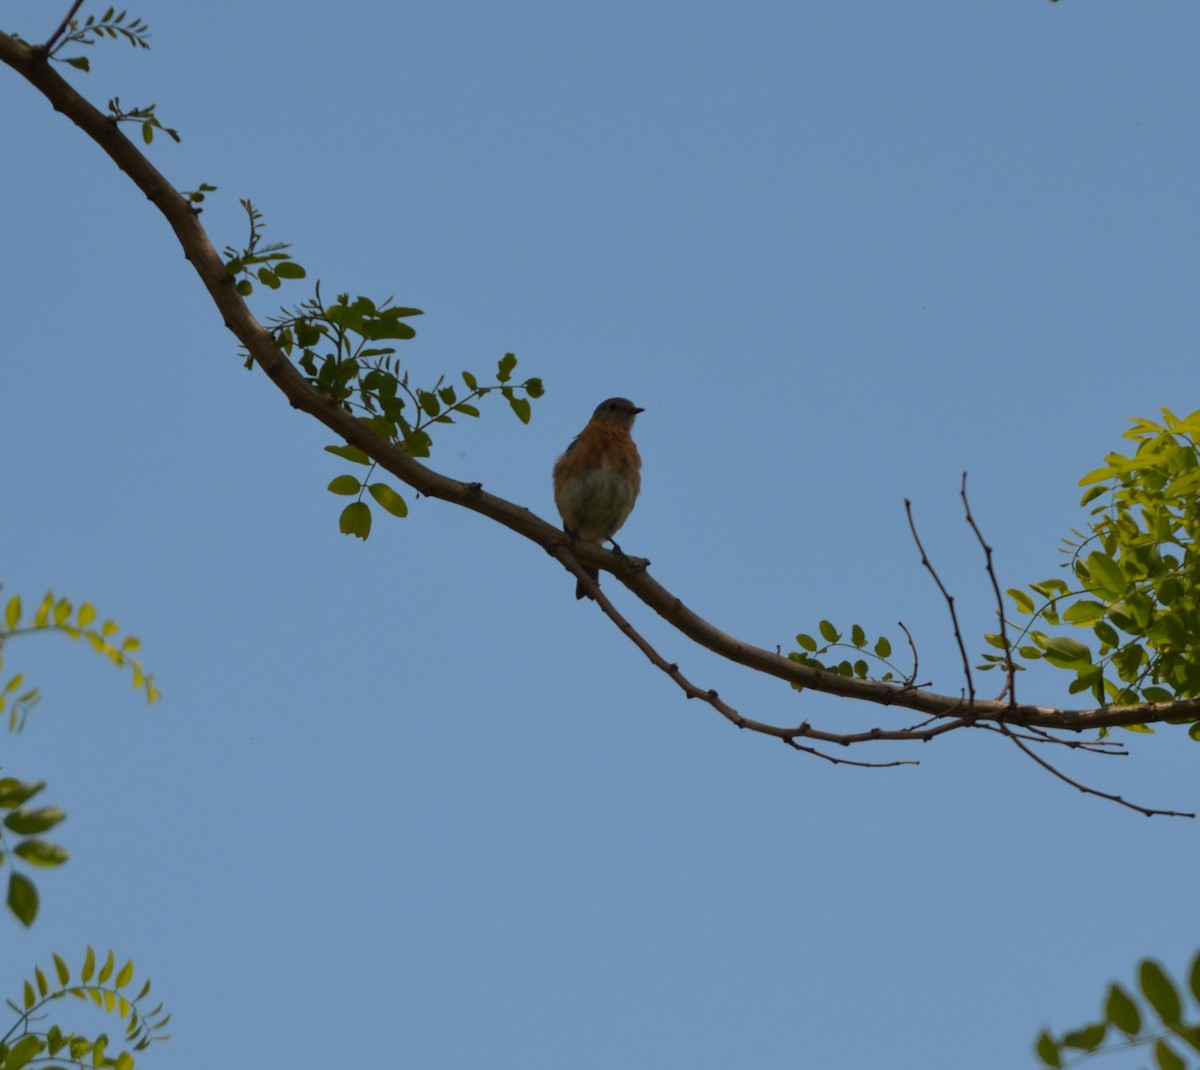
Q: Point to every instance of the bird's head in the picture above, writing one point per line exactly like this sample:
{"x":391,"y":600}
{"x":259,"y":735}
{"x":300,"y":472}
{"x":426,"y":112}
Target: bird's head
{"x":619,"y":411}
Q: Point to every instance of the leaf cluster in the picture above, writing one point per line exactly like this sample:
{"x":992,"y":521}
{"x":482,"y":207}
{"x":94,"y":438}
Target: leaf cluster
{"x":144,"y":116}
{"x":1135,"y":575}
{"x":28,"y":1041}
{"x":347,"y":351}
{"x":269,"y":263}
{"x":76,"y":622}
{"x":1155,"y":1017}
{"x":21,"y":830}
{"x":21,"y":827}
{"x":111,"y":24}
{"x":816,"y":654}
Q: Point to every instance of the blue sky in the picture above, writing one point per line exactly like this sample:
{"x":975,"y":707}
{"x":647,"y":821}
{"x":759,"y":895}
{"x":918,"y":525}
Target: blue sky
{"x":408,"y":799}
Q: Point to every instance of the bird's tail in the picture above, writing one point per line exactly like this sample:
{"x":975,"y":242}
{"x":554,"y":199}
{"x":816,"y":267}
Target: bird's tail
{"x":580,"y":590}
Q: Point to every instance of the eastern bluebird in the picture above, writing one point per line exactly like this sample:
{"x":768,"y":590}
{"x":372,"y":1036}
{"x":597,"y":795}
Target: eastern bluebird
{"x":596,"y":480}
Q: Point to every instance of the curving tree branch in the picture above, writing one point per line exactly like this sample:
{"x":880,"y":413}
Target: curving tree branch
{"x":943,"y":713}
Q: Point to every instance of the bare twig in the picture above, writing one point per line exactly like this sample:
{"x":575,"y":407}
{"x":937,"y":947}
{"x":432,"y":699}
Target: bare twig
{"x":912,"y":679}
{"x":563,"y":552}
{"x":962,"y":649}
{"x":1148,"y":811}
{"x":846,"y":761}
{"x":1110,"y":747}
{"x":48,"y":47}
{"x":1009,"y":665}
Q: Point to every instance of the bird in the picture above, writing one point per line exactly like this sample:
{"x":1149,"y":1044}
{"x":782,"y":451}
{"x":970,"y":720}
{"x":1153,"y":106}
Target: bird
{"x":597,"y":479}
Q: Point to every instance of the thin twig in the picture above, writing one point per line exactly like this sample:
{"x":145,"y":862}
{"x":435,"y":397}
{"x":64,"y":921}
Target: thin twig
{"x":846,"y":761}
{"x":563,"y":552}
{"x":1009,"y":664}
{"x":1110,"y":747}
{"x":962,"y":649}
{"x":912,"y":680}
{"x":1148,"y":811}
{"x":62,"y":28}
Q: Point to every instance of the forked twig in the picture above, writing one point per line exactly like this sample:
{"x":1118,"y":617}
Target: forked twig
{"x":62,"y":27}
{"x":1148,"y":811}
{"x":563,"y":553}
{"x":962,"y":649}
{"x":1009,"y":664}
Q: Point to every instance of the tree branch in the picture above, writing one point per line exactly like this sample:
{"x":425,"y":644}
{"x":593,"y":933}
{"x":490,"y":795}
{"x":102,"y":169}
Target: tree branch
{"x":48,"y":47}
{"x":950,"y":711}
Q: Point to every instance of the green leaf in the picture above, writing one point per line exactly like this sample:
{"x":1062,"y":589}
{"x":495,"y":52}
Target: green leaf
{"x":1106,"y":574}
{"x":89,"y":965}
{"x":1050,"y":588}
{"x":244,"y":287}
{"x":470,"y":380}
{"x":522,"y":408}
{"x":428,"y":402}
{"x":828,"y":632}
{"x":356,"y":520}
{"x":1061,"y":648}
{"x":107,"y":969}
{"x":147,"y":133}
{"x":22,"y":898}
{"x":858,"y":638}
{"x":416,"y":443}
{"x":1085,"y":612}
{"x":534,"y":388}
{"x":504,"y":368}
{"x":268,"y":278}
{"x":1167,"y":1058}
{"x":308,"y":334}
{"x":41,"y":853}
{"x":389,"y":499}
{"x":345,"y":485}
{"x":80,"y":63}
{"x":60,"y":968}
{"x":1190,"y":1034}
{"x":349,"y":453}
{"x":1021,"y":600}
{"x":289,"y":269}
{"x":1088,"y":678}
{"x":14,"y":792}
{"x":24,"y":1050}
{"x":125,"y":975}
{"x":806,"y":642}
{"x":1047,"y":1050}
{"x":32,"y":822}
{"x":1089,"y":1038}
{"x":1160,"y":991}
{"x":883,"y":648}
{"x":12,"y":612}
